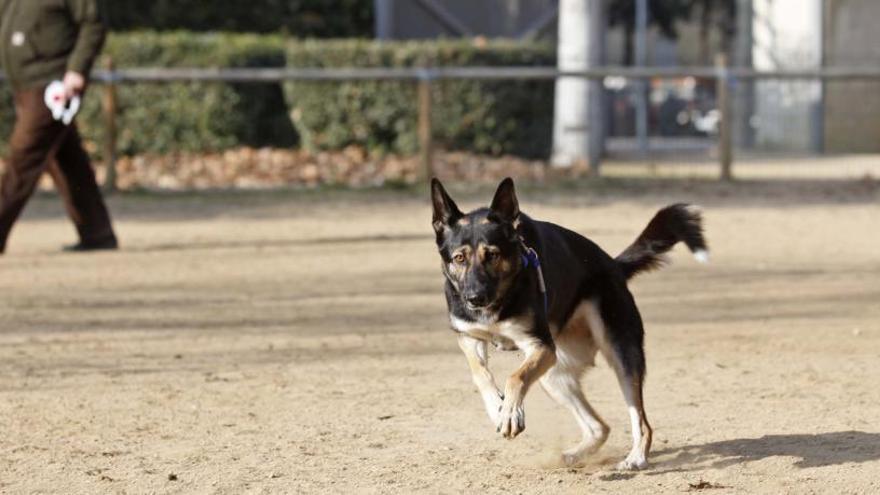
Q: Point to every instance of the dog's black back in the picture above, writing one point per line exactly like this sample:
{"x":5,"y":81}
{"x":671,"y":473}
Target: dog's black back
{"x":576,"y":269}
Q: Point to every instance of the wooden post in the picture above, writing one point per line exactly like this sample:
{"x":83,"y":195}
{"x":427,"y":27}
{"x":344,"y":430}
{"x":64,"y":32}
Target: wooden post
{"x":109,"y":107}
{"x":426,"y":131}
{"x":725,"y":149}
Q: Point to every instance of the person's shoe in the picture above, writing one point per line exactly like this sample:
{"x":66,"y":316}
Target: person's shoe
{"x":105,"y":244}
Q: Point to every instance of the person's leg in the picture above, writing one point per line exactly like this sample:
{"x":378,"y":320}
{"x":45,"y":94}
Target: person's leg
{"x":34,"y":138}
{"x":75,"y":180}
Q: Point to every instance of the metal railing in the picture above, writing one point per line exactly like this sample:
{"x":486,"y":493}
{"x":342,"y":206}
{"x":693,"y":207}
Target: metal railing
{"x":270,"y":75}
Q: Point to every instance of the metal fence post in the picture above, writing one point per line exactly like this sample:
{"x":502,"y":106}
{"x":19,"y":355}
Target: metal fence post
{"x":725,"y":149}
{"x":426,"y":130}
{"x":642,"y":85}
{"x":109,"y":107}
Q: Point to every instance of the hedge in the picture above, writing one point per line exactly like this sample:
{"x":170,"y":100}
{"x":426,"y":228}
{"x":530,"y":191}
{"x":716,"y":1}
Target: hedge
{"x":484,"y":117}
{"x":160,"y":118}
{"x":195,"y":116}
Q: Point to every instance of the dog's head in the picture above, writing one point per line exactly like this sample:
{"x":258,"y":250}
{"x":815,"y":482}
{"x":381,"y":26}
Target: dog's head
{"x":480,"y":249}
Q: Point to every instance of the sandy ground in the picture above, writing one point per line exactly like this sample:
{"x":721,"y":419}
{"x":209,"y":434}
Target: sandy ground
{"x":296,"y":343}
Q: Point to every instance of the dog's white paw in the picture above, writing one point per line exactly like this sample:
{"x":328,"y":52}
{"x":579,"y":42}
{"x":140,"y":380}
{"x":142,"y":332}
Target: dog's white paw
{"x":571,"y":458}
{"x":512,"y":419}
{"x":632,"y":463}
{"x":589,"y":445}
{"x":493,"y":402}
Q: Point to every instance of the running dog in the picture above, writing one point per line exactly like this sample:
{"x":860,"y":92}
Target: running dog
{"x":519,"y":283}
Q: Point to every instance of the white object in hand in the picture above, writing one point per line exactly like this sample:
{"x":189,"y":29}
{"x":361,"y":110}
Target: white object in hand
{"x":62,"y":108}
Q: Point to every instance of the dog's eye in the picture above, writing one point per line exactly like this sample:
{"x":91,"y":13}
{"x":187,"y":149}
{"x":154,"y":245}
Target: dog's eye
{"x":458,"y":258}
{"x":491,"y":256}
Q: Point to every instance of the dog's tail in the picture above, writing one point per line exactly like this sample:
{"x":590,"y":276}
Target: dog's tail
{"x":679,"y":222}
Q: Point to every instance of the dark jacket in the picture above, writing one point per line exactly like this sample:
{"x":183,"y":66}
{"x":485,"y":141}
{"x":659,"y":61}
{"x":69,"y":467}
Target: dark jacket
{"x":42,"y":39}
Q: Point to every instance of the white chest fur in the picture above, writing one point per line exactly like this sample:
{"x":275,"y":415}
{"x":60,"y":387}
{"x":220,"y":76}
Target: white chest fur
{"x":508,"y":334}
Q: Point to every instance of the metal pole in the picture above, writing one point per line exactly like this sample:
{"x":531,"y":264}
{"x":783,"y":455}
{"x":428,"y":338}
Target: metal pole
{"x":641,"y":58}
{"x":725,"y":151}
{"x":597,"y":101}
{"x":818,"y":113}
{"x":384,"y":13}
{"x":426,"y":131}
{"x":109,"y":107}
{"x":744,"y":134}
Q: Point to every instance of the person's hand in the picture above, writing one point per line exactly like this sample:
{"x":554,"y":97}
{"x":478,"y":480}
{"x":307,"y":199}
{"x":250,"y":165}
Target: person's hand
{"x":74,"y":84}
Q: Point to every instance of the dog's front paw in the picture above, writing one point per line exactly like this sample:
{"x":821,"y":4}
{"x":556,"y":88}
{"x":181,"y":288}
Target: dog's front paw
{"x":632,"y":463}
{"x":512,"y":419}
{"x":494,"y":403}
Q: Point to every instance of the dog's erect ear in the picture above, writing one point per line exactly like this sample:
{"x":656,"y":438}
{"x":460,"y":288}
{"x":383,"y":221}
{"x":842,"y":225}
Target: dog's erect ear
{"x":505,"y":204}
{"x":445,"y":210}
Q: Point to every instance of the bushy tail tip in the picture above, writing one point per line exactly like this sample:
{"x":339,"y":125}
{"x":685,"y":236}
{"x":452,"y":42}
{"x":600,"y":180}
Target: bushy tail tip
{"x":671,"y":225}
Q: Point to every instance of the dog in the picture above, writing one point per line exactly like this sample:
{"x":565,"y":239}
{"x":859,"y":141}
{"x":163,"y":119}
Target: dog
{"x":524,"y":284}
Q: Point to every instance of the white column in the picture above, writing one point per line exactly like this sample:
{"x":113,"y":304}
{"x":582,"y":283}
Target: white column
{"x":577,"y":133}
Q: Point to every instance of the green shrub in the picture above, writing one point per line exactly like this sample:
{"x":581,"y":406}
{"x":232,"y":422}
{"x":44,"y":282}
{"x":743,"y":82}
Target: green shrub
{"x":159,"y":118}
{"x":484,"y":117}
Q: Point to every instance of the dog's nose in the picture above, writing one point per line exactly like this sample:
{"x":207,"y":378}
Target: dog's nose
{"x":476,"y":299}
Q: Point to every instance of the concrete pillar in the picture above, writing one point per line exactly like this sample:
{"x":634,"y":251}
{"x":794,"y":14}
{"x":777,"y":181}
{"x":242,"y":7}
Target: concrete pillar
{"x":577,"y":124}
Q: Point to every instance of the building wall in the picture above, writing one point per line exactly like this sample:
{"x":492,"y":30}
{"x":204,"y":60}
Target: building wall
{"x":409,"y":19}
{"x":852,"y":108}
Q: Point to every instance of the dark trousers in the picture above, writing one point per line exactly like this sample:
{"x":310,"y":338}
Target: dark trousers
{"x":39,"y":143}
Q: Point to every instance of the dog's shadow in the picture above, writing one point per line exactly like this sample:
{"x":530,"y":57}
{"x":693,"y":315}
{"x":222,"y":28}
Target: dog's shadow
{"x":823,"y":449}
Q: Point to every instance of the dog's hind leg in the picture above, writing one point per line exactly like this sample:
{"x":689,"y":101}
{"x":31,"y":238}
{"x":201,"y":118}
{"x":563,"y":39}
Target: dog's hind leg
{"x":641,"y":430}
{"x":575,"y":352}
{"x":563,"y":385}
{"x":630,"y":376}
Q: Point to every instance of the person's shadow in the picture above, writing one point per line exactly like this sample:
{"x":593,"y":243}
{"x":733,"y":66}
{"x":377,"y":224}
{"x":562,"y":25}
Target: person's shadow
{"x":822,"y":449}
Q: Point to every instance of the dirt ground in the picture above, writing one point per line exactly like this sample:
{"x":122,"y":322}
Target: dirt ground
{"x":297,"y":343}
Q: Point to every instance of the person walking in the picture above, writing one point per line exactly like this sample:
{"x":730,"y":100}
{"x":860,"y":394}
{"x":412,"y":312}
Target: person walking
{"x":43,"y":41}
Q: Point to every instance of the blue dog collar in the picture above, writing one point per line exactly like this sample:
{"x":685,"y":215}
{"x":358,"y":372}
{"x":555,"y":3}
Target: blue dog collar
{"x":531,"y":259}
